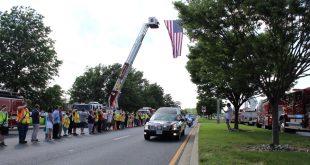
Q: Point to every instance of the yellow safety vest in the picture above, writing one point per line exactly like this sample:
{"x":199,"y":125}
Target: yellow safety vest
{"x":76,"y":117}
{"x":97,"y":117}
{"x":23,"y":116}
{"x":3,"y":118}
{"x":66,"y":121}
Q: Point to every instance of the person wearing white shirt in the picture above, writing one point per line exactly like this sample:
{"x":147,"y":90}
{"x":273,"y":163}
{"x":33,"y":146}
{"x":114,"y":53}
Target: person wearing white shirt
{"x":228,"y":116}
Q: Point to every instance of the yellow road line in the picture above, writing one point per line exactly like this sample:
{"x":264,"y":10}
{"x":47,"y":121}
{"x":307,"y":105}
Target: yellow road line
{"x":181,"y":148}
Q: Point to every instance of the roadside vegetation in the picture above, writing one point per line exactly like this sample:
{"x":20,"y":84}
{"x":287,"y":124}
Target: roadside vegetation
{"x":219,"y":146}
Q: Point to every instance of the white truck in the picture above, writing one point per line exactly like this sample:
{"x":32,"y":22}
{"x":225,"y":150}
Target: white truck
{"x":248,"y":114}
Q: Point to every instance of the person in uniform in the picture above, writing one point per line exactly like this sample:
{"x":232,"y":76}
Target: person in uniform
{"x":22,"y":120}
{"x":3,"y":124}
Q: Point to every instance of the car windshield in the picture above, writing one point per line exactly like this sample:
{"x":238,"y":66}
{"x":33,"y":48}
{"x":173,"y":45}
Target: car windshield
{"x":163,"y":117}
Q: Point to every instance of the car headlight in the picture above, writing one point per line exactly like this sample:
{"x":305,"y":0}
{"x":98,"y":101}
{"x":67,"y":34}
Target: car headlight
{"x":174,"y":127}
{"x":146,"y":127}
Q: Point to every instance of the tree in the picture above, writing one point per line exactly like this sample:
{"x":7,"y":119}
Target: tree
{"x":273,"y":41}
{"x":51,"y":98}
{"x":153,"y":95}
{"x":281,"y":54}
{"x":210,"y":104}
{"x":27,"y":56}
{"x":94,"y":84}
{"x":168,"y":101}
{"x":218,"y":30}
{"x":97,"y":83}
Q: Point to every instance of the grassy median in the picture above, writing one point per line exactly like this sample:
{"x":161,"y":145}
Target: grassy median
{"x":218,"y":146}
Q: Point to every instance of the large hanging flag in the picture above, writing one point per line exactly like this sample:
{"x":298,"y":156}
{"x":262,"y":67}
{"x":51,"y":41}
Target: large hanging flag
{"x":175,"y":31}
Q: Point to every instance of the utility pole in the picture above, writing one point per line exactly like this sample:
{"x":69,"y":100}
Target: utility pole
{"x":218,"y":110}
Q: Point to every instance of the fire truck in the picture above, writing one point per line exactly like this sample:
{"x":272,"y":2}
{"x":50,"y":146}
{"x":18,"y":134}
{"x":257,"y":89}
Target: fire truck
{"x":12,"y":100}
{"x":296,"y":114}
{"x":264,"y":113}
{"x":113,"y":98}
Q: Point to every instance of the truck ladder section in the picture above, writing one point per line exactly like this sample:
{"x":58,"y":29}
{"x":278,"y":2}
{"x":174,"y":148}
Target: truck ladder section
{"x":113,"y":98}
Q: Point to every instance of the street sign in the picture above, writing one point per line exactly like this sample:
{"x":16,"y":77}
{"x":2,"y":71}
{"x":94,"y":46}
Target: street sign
{"x":203,"y":109}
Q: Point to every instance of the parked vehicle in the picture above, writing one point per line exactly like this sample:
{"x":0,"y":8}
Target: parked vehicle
{"x":147,"y":110}
{"x":296,"y":115}
{"x":248,"y":116}
{"x":12,"y":100}
{"x":166,"y":121}
{"x":190,"y":118}
{"x":264,"y":113}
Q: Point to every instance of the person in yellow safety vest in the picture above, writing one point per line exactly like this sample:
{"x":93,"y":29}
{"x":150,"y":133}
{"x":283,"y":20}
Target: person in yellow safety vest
{"x":130,"y":120}
{"x":66,"y":123}
{"x":117,"y":119}
{"x":95,"y":128}
{"x":143,"y":118}
{"x":3,"y":124}
{"x":76,"y":121}
{"x":22,"y":120}
{"x":147,"y":117}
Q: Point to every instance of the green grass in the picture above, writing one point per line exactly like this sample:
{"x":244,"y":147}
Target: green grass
{"x":218,"y":146}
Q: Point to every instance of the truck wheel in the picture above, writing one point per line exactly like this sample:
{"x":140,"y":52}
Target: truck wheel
{"x":258,"y":125}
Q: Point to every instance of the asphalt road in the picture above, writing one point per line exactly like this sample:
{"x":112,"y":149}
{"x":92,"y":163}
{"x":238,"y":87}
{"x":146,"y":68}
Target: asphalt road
{"x":115,"y":147}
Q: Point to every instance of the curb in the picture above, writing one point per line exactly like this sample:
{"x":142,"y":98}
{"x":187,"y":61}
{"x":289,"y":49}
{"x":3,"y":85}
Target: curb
{"x":190,"y":153}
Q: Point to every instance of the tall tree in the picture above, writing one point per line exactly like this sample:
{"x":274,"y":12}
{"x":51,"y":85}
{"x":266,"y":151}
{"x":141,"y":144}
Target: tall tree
{"x":153,"y":95}
{"x":168,"y":101}
{"x":97,"y":83}
{"x":28,"y":59}
{"x":281,"y":54}
{"x":51,"y":98}
{"x":274,"y":41}
{"x":218,"y":30}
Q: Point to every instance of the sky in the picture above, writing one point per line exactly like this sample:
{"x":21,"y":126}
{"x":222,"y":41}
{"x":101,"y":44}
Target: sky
{"x":90,"y":32}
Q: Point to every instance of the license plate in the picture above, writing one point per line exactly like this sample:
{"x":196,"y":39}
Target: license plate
{"x":159,"y":132}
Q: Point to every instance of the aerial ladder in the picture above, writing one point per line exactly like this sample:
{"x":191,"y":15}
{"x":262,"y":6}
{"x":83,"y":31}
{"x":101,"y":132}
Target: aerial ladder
{"x":113,"y":98}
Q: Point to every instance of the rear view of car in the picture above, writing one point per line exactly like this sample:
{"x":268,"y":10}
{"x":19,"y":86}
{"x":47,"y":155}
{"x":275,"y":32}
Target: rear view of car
{"x":166,"y":121}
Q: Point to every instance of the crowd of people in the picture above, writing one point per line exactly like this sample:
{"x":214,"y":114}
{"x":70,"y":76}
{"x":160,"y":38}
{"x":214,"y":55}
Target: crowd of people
{"x":59,"y":123}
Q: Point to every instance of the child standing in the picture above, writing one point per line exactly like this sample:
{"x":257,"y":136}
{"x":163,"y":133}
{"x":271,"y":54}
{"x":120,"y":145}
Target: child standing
{"x":66,"y":123}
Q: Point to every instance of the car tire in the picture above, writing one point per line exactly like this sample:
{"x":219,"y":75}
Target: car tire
{"x":177,"y":138}
{"x":147,"y":137}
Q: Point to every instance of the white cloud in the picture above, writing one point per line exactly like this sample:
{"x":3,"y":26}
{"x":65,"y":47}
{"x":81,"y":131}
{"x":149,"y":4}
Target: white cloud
{"x":87,"y":33}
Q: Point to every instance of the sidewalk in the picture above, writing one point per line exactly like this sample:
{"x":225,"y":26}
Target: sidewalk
{"x":190,"y":153}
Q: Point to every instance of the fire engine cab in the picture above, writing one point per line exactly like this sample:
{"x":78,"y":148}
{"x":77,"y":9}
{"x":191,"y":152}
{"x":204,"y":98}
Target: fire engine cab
{"x":296,"y":114}
{"x":12,"y":100}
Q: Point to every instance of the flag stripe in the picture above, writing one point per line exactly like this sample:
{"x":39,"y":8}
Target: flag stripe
{"x":176,"y":36}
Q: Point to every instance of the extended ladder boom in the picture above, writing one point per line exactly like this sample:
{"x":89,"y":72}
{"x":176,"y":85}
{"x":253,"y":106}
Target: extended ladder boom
{"x":113,"y":98}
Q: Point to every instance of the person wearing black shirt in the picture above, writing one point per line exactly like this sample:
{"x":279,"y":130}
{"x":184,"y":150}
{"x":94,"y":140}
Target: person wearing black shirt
{"x":35,"y":115}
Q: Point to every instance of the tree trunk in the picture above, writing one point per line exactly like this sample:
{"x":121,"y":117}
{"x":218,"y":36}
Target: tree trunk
{"x":275,"y":122}
{"x":236,"y":126}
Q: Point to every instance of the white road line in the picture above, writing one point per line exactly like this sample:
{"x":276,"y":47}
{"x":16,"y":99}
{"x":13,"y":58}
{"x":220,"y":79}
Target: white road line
{"x":121,"y":137}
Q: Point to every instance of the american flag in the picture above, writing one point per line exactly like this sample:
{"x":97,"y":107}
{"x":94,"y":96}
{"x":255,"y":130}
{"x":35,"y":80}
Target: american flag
{"x":175,"y":31}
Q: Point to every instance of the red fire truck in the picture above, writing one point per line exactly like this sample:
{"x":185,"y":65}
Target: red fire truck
{"x":264,"y":113}
{"x":296,"y":114}
{"x":12,"y":100}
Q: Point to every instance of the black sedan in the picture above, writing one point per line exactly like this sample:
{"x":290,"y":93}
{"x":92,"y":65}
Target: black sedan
{"x":166,"y":121}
